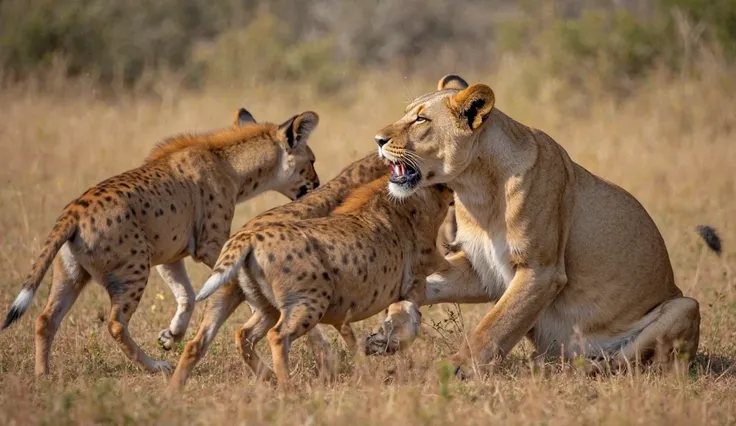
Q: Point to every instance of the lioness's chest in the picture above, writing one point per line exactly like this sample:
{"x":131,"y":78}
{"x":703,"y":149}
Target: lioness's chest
{"x":489,"y":255}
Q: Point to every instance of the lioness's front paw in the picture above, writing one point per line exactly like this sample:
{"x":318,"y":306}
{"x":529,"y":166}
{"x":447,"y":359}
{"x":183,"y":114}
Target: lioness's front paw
{"x":161,"y":367}
{"x":381,"y":342}
{"x":167,"y":340}
{"x":457,"y":364}
{"x":461,"y":374}
{"x":375,"y":344}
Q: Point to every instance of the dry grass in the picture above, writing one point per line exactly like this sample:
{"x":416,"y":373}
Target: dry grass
{"x":672,"y":145}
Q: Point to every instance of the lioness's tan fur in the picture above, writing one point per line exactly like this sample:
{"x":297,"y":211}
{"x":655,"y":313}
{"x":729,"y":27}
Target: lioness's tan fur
{"x":571,"y":260}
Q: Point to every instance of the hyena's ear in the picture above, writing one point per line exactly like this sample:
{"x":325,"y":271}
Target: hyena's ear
{"x":296,"y":130}
{"x":243,"y":117}
{"x":443,"y":187}
{"x":452,"y":81}
{"x":473,"y":105}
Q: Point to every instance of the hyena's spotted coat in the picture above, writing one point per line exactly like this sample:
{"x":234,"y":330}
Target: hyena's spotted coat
{"x":179,"y":203}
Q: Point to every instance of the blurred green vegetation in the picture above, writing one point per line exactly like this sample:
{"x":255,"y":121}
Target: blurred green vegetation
{"x":613,"y":47}
{"x":326,"y":42}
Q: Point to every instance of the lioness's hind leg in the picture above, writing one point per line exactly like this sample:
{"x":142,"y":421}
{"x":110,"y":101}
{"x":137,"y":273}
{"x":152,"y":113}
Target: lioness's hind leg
{"x":69,"y":279}
{"x":675,"y":332}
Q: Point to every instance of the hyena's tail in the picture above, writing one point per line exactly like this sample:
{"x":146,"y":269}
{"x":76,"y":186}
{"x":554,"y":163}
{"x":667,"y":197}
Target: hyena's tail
{"x":232,"y":257}
{"x":66,"y":226}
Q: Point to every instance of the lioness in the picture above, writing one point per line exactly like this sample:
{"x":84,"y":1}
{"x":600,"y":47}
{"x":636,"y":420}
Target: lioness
{"x":369,"y":253}
{"x":571,"y":260}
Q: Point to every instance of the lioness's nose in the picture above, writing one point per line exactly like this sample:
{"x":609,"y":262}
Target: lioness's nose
{"x":381,"y":140}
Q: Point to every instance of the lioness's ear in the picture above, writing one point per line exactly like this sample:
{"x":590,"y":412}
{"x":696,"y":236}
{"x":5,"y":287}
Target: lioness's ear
{"x":243,"y":117}
{"x":452,"y":81}
{"x":297,"y":129}
{"x":474,"y":104}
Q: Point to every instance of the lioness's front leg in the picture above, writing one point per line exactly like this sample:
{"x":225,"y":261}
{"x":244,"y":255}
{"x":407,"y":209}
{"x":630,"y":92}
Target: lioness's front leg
{"x":530,"y":292}
{"x":454,"y":281}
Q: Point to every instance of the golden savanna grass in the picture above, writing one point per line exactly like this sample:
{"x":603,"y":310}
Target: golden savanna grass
{"x":672,"y":144}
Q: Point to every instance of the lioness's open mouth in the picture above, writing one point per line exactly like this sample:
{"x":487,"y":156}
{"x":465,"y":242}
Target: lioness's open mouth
{"x":404,"y":174}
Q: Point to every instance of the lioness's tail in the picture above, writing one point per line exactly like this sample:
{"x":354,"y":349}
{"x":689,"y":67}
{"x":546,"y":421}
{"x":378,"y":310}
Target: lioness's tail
{"x":232,"y":257}
{"x":710,"y":237}
{"x":66,"y":226}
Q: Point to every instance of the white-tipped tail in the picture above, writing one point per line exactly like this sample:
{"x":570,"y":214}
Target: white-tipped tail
{"x":20,"y":305}
{"x":218,"y":279}
{"x":23,"y":301}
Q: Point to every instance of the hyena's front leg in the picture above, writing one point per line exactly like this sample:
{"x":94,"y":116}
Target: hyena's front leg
{"x":175,"y":276}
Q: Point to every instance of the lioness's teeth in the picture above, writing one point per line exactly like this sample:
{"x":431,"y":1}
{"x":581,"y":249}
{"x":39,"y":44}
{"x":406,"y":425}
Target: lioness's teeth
{"x":397,"y":169}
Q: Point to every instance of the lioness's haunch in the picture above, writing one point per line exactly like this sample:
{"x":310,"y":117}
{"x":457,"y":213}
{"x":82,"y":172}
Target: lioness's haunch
{"x":349,"y":266}
{"x":571,"y":260}
{"x":179,"y":203}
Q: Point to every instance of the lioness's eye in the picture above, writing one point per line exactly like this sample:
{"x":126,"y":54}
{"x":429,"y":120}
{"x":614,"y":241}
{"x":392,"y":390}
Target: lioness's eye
{"x":420,"y":119}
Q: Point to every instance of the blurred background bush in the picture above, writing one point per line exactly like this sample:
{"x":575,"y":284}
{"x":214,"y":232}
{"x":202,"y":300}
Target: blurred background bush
{"x":597,"y":43}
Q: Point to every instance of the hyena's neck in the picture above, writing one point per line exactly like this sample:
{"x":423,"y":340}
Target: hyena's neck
{"x":330,"y":195}
{"x":254,"y":168}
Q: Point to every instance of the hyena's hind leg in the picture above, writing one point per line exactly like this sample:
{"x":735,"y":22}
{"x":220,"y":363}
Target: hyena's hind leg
{"x":327,"y":357}
{"x":125,"y":287}
{"x":69,"y":279}
{"x":295,"y":320}
{"x":320,"y":347}
{"x":250,"y":334}
{"x":217,"y":309}
{"x":348,"y":336}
